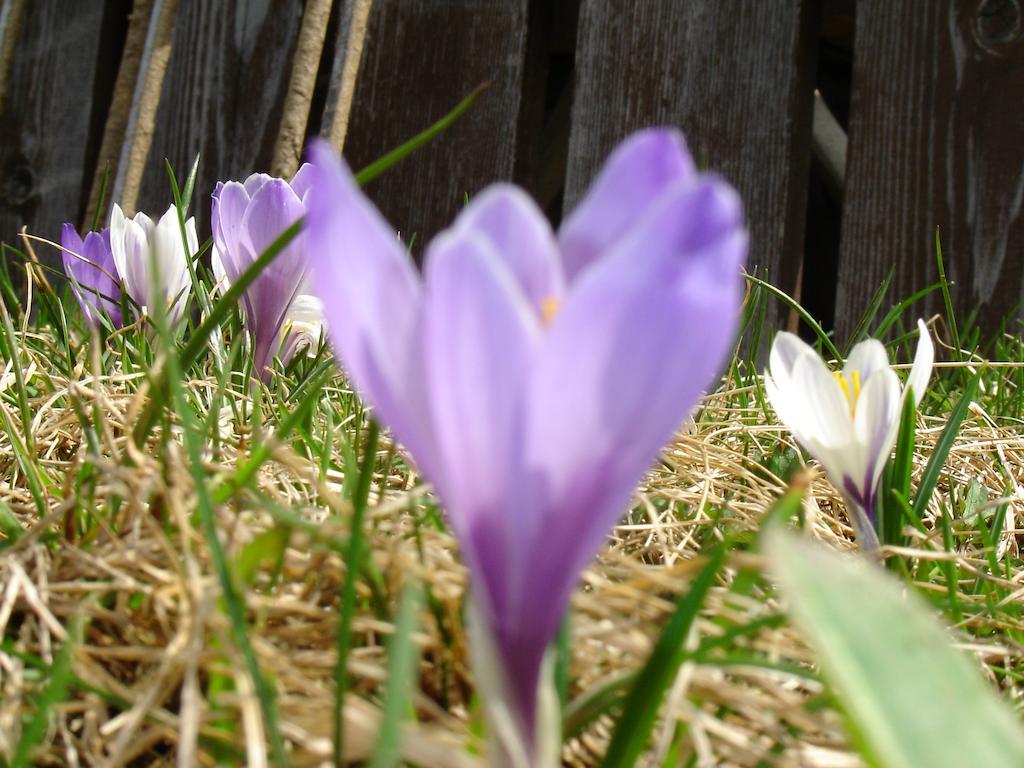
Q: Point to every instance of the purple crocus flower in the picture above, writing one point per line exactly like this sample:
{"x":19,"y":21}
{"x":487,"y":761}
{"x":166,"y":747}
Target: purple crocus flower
{"x":246,"y":218}
{"x":94,"y":278}
{"x":534,"y":378}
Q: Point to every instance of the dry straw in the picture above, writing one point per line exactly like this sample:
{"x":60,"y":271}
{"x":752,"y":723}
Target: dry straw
{"x":158,"y":680}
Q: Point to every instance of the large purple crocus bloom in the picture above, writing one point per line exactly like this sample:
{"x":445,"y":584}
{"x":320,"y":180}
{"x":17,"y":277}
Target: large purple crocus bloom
{"x":534,"y":378}
{"x":89,"y":263}
{"x":246,"y":218}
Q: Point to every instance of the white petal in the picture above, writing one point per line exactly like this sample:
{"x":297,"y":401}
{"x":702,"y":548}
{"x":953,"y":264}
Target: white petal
{"x":134,"y":246}
{"x":924,"y":358}
{"x":192,"y":237}
{"x":145,"y":223}
{"x":876,"y":423}
{"x":866,"y":358}
{"x":172,"y":263}
{"x":118,"y":227}
{"x":785,"y":402}
{"x":220,"y":278}
{"x":827,"y":412}
{"x":787,"y":348}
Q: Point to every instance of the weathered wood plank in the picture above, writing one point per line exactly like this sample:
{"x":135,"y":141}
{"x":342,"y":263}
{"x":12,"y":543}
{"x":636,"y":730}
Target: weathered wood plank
{"x":935,"y":141}
{"x":222,"y":95}
{"x":51,"y":57}
{"x":419,"y":58}
{"x":734,"y":76}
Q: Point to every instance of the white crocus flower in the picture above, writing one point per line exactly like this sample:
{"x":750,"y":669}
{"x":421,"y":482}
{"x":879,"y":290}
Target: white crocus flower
{"x":303,"y":328}
{"x":847,"y":419}
{"x":138,"y":243}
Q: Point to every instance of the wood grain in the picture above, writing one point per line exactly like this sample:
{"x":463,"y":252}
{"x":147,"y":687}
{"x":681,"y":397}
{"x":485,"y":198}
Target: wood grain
{"x":936,"y":140}
{"x":734,"y":76}
{"x":222,"y":95}
{"x":46,"y":116}
{"x":419,"y":59}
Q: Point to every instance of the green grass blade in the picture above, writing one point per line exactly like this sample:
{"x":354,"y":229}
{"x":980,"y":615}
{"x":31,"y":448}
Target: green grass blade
{"x":911,"y":699}
{"x":604,"y":697}
{"x":890,"y":522}
{"x":793,"y":304}
{"x":10,"y":528}
{"x":101,"y":199}
{"x":872,"y":311}
{"x":218,"y":312}
{"x":378,"y":166}
{"x":347,"y":600}
{"x":933,"y":469}
{"x":55,"y":692}
{"x":947,"y":298}
{"x":899,"y":309}
{"x":11,"y":345}
{"x":306,"y":398}
{"x":234,"y":602}
{"x":190,"y":184}
{"x":402,"y":658}
{"x":640,"y":709}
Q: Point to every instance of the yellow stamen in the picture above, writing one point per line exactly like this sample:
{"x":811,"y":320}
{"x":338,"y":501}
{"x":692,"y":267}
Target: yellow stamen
{"x":548,"y":309}
{"x":850,"y":387}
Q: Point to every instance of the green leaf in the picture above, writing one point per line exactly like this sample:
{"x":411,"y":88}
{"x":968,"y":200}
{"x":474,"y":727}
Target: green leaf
{"x":10,"y":528}
{"x":890,"y":521}
{"x":347,"y":598}
{"x":640,"y":710}
{"x":56,"y":691}
{"x":942,"y":448}
{"x":266,"y":547}
{"x":912,"y":700}
{"x":793,"y":304}
{"x":402,"y":656}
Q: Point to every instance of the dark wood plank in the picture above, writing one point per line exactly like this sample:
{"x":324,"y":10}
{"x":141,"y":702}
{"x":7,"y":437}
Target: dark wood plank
{"x":49,"y":81}
{"x":935,"y":141}
{"x":733,"y":75}
{"x":222,"y":95}
{"x":419,"y":58}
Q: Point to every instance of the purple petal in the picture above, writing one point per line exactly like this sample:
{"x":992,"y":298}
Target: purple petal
{"x":273,"y":208}
{"x":634,"y":176}
{"x":372,"y":300}
{"x":95,"y":283}
{"x":302,"y":180}
{"x":230,"y":201}
{"x":521,"y":236}
{"x":255,"y":181}
{"x":480,"y":336}
{"x":641,"y":335}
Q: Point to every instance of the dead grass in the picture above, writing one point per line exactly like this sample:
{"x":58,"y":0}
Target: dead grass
{"x":158,"y":682}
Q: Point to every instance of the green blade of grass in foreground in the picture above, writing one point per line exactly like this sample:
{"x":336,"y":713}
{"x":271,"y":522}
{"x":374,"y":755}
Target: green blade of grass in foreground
{"x":942,"y":447}
{"x":402,"y":656}
{"x":56,"y":691}
{"x":347,"y":598}
{"x":911,"y":699}
{"x":640,"y":709}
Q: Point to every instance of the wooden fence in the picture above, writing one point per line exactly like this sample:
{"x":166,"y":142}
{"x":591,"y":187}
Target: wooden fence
{"x":931,"y":92}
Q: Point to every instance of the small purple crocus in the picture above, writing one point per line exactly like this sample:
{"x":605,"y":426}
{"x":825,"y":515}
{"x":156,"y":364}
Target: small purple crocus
{"x":246,"y":218}
{"x":89,"y":264}
{"x":534,"y":377}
